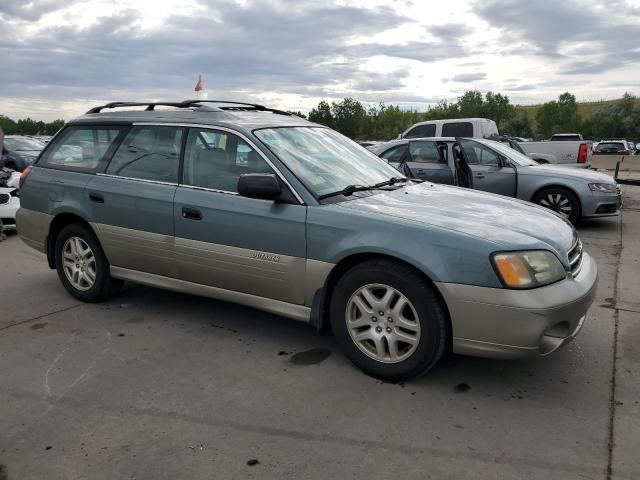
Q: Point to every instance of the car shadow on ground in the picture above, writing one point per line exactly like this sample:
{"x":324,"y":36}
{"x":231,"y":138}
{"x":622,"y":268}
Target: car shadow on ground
{"x":264,"y":333}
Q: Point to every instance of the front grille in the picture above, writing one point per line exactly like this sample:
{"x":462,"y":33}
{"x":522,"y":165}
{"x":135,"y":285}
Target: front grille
{"x":575,"y":257}
{"x":4,"y":198}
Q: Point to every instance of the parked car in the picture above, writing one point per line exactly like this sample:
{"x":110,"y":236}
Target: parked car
{"x":20,"y":151}
{"x":570,"y":153}
{"x":312,"y":227}
{"x":9,"y":205}
{"x":613,"y":147}
{"x":494,"y":167}
{"x":456,"y":127}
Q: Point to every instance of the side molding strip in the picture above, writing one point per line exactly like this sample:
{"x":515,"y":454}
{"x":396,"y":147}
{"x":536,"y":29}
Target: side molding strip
{"x":295,"y":312}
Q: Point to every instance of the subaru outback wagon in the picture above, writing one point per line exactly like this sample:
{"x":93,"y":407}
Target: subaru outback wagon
{"x":255,"y":206}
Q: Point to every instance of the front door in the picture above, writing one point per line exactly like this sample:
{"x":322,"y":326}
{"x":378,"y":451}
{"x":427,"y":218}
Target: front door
{"x":132,"y":203}
{"x":427,"y":162}
{"x":232,"y":242}
{"x":490,"y":173}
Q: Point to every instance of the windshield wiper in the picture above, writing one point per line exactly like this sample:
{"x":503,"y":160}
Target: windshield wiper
{"x":351,"y":189}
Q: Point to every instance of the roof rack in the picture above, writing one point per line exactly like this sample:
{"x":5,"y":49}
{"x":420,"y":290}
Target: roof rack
{"x":149,"y":105}
{"x":236,"y":106}
{"x":189,"y":104}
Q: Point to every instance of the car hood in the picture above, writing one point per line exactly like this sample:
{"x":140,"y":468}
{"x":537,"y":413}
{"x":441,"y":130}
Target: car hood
{"x":509,"y":223}
{"x":557,"y":171}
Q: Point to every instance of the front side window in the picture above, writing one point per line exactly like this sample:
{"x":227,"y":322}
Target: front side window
{"x":422,"y":131}
{"x":216,"y":159}
{"x":324,"y":160}
{"x":149,"y":153}
{"x":395,"y":154}
{"x":81,"y":147}
{"x":478,"y":154}
{"x":425,"y":152}
{"x":457,"y":129}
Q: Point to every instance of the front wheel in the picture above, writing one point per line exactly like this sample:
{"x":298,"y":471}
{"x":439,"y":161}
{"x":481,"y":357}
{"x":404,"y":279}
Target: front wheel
{"x":82,"y":266}
{"x":560,"y":200}
{"x":388,"y":320}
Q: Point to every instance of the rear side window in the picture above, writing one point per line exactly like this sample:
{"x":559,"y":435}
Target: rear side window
{"x":81,"y":148}
{"x":149,"y":153}
{"x":422,"y":131}
{"x":425,"y":152}
{"x":457,"y":129}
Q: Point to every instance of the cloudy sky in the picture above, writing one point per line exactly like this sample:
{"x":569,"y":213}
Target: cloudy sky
{"x":59,"y":57}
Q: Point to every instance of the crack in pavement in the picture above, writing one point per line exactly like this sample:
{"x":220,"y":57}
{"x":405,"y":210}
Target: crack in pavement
{"x":614,"y":364}
{"x":22,"y":322}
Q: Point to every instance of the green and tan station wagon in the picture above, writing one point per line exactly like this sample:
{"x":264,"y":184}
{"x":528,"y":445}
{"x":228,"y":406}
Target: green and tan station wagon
{"x":255,"y":206}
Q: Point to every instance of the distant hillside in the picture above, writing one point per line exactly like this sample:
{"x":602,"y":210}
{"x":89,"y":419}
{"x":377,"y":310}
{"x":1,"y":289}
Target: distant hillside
{"x":585,"y":109}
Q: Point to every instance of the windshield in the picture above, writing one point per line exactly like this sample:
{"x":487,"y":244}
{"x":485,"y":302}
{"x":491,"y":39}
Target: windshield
{"x":22,"y":144}
{"x":517,"y":157}
{"x":324,"y":160}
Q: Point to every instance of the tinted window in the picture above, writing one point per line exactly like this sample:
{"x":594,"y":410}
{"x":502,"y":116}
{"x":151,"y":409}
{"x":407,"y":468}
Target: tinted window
{"x":425,"y":152}
{"x":477,"y":154}
{"x":610,"y":146}
{"x":149,"y":153}
{"x":215,"y":159}
{"x":457,"y":129}
{"x":81,"y":147}
{"x":422,"y":131}
{"x":395,"y":154}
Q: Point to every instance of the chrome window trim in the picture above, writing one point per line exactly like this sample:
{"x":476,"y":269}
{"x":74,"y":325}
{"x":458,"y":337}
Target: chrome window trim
{"x":235,"y":132}
{"x":143,"y":180}
{"x":205,"y":189}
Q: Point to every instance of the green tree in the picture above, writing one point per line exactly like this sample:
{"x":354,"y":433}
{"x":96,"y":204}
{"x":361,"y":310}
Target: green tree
{"x":7,"y":125}
{"x":471,"y":104}
{"x":322,"y":114}
{"x":519,"y":125}
{"x":498,"y":108}
{"x":559,"y":116}
{"x":349,"y":117}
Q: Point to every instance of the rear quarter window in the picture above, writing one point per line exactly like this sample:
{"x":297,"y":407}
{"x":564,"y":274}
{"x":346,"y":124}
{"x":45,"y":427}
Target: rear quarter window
{"x":82,"y":148}
{"x":457,"y":129}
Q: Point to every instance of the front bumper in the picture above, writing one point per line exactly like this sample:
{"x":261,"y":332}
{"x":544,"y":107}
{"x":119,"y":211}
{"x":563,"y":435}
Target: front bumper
{"x":503,"y":323}
{"x":8,"y":213}
{"x":601,"y":204}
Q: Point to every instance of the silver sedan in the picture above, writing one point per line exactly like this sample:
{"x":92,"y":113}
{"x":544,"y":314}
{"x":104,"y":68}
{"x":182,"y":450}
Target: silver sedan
{"x":495,"y":167}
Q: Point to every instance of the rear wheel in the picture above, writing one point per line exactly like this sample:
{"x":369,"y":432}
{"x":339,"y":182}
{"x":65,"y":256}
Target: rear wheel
{"x":388,"y":320}
{"x":82,"y":266}
{"x":559,"y":200}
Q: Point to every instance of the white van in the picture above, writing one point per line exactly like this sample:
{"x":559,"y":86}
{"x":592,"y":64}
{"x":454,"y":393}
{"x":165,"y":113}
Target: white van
{"x":455,"y":127}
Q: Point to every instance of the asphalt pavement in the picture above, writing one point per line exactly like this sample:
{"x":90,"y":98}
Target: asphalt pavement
{"x":159,"y":385}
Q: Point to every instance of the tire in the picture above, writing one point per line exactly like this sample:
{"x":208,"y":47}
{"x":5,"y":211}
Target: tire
{"x":425,"y":316}
{"x":560,"y":200}
{"x":94,"y":283}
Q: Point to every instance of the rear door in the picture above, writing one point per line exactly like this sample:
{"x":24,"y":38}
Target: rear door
{"x":490,"y":174}
{"x":227,"y":241}
{"x":132,"y":202}
{"x":426,"y":162}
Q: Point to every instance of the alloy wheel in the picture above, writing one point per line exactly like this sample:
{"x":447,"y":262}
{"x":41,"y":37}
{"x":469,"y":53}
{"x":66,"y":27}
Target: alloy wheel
{"x":383,"y":323}
{"x":558,"y":203}
{"x":79,"y":263}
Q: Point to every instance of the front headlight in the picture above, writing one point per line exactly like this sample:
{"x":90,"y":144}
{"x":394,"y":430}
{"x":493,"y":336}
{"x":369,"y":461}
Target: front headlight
{"x":603,"y":187}
{"x":528,"y":269}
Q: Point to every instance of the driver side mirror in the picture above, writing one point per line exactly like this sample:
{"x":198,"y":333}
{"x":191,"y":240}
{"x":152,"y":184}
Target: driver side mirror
{"x":263,"y":186}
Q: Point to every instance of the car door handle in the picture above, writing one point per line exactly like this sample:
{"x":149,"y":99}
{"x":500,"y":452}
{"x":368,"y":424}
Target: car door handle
{"x":96,"y":197}
{"x":479,"y":175}
{"x":421,"y":170}
{"x":191,"y":213}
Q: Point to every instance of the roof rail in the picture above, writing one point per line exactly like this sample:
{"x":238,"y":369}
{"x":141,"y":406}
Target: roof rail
{"x":149,"y":105}
{"x":235,"y":106}
{"x":189,"y":104}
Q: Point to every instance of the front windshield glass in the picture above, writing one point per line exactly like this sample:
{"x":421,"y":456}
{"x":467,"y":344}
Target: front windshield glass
{"x":514,"y":155}
{"x":22,"y":144}
{"x":324,"y":160}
